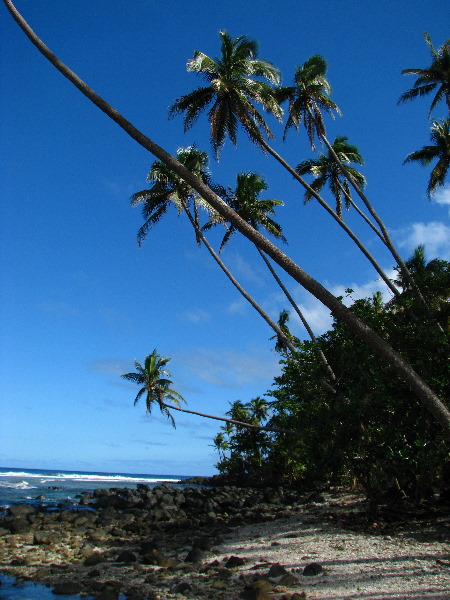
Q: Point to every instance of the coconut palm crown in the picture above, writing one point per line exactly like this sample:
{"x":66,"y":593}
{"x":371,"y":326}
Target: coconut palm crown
{"x":235,"y":83}
{"x":167,"y":188}
{"x":244,"y":199}
{"x":155,"y":382}
{"x":435,"y":78}
{"x":308,"y":97}
{"x":440,"y":150}
{"x":326,"y":170}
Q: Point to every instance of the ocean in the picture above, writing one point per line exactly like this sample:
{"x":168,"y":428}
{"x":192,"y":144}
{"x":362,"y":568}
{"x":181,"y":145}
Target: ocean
{"x":53,"y":490}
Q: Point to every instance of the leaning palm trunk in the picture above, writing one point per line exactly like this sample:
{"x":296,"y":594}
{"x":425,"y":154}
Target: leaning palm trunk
{"x":385,"y":235}
{"x":398,"y":364}
{"x":299,"y":313}
{"x":231,"y":421}
{"x":334,"y":214}
{"x":200,"y":236}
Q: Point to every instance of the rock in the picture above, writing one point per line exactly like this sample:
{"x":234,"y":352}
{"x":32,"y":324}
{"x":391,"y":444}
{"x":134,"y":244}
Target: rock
{"x":235,"y":561}
{"x":94,"y":559}
{"x":127,"y":557}
{"x":289,"y":580}
{"x":21,"y":510}
{"x":312,"y":569}
{"x":67,"y":588}
{"x":251,"y":594}
{"x":19,"y":525}
{"x":195,"y":555}
{"x":46,"y":537}
{"x":277,"y":570}
{"x":182,"y":587}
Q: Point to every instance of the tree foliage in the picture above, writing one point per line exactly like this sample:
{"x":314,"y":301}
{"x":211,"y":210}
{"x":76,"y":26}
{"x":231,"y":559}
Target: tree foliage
{"x":369,"y":432}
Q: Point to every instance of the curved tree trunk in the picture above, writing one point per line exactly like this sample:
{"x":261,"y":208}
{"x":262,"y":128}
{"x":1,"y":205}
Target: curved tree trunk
{"x":301,"y":316}
{"x":430,"y":400}
{"x":239,"y":423}
{"x":335,"y":216}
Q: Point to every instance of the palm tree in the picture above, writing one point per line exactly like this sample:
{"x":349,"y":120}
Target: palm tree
{"x":420,"y":388}
{"x":234,"y":86}
{"x":154,"y":378}
{"x":327,"y":170}
{"x":308,"y":97}
{"x":169,"y":188}
{"x":440,"y":150}
{"x":435,"y":78}
{"x":245,"y":201}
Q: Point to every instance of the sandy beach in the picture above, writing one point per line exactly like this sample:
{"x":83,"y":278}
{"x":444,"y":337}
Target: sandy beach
{"x":319,"y":548}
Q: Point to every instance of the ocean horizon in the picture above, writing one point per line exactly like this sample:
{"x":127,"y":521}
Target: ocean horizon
{"x":57,"y":487}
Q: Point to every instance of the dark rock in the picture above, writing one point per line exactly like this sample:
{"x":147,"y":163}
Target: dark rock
{"x":182,"y":587}
{"x":95,"y":559}
{"x":19,"y":525}
{"x":127,"y":557}
{"x":277,"y":570}
{"x":195,"y":555}
{"x":312,"y":569}
{"x":67,"y":588}
{"x":21,"y":510}
{"x":235,"y":561}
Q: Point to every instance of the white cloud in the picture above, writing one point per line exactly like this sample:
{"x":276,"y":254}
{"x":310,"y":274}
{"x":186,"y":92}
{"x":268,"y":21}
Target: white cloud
{"x":229,"y":368}
{"x":442,"y":196}
{"x":238,"y":307}
{"x":196,"y":316}
{"x":112,"y":367}
{"x":434,"y":235}
{"x":241,"y":268}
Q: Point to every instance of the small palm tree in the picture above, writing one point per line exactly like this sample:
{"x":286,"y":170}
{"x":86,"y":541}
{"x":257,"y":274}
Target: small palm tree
{"x":155,"y":382}
{"x":308,"y":97}
{"x":440,"y":150}
{"x":326,"y":170}
{"x":234,"y":86}
{"x":435,"y":78}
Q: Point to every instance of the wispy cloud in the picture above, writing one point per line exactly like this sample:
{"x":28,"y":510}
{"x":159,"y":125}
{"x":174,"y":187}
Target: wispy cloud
{"x":229,"y":368}
{"x":434,"y":235}
{"x":196,"y":316}
{"x":111,"y":366}
{"x":442,"y":196}
{"x":250,"y":272}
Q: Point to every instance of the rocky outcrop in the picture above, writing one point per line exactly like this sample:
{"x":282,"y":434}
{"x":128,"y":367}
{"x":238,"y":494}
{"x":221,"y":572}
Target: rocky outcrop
{"x":134,"y":541}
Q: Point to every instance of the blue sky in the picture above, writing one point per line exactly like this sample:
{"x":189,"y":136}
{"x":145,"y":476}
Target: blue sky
{"x":80,"y":301}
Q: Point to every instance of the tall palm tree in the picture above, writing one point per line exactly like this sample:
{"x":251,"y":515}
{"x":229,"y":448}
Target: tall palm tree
{"x":440,"y":151}
{"x":235,"y":84}
{"x":327,"y":170}
{"x":435,"y":78}
{"x":154,"y":378}
{"x":308,"y":97}
{"x":233,"y":91}
{"x":415,"y":382}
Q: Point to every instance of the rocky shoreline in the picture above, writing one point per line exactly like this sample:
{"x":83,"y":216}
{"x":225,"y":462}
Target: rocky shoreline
{"x":168,"y":542}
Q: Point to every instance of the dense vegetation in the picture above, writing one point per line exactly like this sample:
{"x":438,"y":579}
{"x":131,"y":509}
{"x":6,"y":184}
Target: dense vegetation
{"x":371,"y":432}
